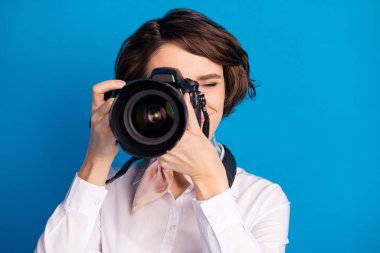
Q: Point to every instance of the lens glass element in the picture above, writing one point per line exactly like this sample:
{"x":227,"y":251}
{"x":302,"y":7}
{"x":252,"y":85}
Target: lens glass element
{"x":152,"y":116}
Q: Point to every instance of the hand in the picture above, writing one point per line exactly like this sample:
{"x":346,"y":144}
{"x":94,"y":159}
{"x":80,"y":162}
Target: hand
{"x":194,"y":155}
{"x":102,"y":147}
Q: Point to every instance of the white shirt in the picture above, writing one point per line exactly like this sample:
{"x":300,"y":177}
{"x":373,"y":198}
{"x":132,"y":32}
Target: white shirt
{"x":251,"y":216}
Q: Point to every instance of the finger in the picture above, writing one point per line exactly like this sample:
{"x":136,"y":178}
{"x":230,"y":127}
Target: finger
{"x":102,"y":110}
{"x":192,"y":123}
{"x":99,"y":89}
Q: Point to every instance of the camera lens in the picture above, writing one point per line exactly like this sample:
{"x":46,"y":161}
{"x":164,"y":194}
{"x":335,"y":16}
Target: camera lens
{"x":152,"y":116}
{"x":148,"y":117}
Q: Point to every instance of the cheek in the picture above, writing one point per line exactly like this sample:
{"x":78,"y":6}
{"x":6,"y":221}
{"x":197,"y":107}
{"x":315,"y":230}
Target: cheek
{"x":215,"y":106}
{"x":212,"y":102}
{"x":215,"y":94}
{"x":215,"y":100}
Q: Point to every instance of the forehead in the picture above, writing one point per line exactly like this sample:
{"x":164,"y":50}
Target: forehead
{"x":191,"y":66}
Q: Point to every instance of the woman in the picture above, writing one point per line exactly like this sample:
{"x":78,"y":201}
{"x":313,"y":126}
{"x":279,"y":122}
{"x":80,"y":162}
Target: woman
{"x":182,"y":201}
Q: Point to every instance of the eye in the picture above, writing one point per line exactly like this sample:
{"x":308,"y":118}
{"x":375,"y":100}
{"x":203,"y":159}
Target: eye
{"x":210,"y":84}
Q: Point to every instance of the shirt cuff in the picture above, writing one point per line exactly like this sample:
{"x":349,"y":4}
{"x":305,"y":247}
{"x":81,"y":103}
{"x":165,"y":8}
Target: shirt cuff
{"x":84,"y":197}
{"x":220,"y":211}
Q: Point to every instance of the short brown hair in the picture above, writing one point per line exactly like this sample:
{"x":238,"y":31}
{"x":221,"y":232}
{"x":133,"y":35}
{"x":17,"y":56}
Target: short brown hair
{"x":198,"y":35}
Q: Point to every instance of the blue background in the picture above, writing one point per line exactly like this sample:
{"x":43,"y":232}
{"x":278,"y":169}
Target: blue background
{"x":313,"y":127}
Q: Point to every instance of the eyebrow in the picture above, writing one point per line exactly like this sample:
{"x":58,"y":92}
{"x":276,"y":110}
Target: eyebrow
{"x":209,"y":76}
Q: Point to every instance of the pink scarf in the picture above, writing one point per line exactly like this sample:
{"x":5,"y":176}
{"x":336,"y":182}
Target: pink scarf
{"x":155,"y":182}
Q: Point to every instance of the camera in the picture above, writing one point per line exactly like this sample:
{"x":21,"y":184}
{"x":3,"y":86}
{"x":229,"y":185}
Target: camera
{"x":149,"y":116}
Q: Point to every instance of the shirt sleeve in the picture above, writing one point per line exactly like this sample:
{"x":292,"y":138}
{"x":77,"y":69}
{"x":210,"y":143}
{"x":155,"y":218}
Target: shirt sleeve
{"x":75,"y":224}
{"x":222,"y":228}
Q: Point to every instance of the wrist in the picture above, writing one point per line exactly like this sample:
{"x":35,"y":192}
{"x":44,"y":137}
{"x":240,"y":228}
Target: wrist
{"x":95,"y":170}
{"x":210,"y":185}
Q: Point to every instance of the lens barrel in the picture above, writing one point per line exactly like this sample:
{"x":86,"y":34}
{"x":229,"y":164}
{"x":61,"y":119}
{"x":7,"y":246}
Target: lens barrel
{"x":148,"y":117}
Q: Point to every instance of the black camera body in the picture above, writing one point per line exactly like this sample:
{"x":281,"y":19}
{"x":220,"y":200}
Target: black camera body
{"x":149,"y":116}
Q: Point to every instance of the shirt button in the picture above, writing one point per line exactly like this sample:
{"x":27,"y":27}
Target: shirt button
{"x":172,"y":227}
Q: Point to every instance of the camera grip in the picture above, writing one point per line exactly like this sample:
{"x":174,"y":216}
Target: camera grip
{"x":196,"y":105}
